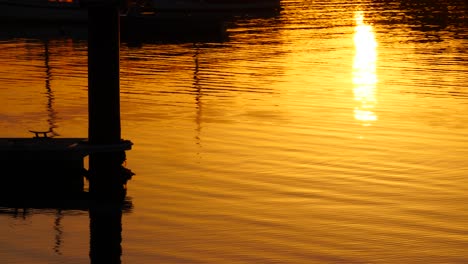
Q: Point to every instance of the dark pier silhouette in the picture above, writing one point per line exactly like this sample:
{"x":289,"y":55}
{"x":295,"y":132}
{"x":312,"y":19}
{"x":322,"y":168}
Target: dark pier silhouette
{"x":46,"y":165}
{"x":105,"y":171}
{"x":107,"y":177}
{"x":45,"y":171}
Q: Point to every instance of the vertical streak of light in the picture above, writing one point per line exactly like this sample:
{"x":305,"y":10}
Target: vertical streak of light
{"x":364,"y":71}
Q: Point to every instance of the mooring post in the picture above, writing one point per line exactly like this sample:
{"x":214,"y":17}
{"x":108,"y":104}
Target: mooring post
{"x":104,"y":72}
{"x":106,"y":184}
{"x":105,"y":168}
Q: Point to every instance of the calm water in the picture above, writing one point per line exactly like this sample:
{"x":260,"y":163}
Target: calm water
{"x":333,"y":132}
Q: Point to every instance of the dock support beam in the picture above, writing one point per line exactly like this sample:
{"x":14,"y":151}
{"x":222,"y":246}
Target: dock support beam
{"x":104,"y":99}
{"x":105,"y":168}
{"x":103,"y":74}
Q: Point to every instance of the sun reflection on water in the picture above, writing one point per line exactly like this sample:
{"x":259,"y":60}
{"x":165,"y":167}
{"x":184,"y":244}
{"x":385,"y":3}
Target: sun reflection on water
{"x":364,"y":71}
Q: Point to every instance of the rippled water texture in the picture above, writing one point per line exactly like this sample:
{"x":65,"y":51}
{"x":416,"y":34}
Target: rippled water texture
{"x":332,"y":132}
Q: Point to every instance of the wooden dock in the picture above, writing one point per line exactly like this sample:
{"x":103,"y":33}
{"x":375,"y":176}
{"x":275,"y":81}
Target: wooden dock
{"x":54,"y":167}
{"x":47,"y":166}
{"x":48,"y":148}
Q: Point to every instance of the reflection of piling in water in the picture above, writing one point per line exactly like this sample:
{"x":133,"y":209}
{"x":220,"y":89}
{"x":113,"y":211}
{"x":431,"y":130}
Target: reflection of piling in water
{"x":50,"y":95}
{"x":105,"y":233}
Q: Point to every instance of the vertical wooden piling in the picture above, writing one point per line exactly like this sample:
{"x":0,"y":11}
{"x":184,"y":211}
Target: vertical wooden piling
{"x":104,"y":99}
{"x":105,"y":168}
{"x":103,"y":74}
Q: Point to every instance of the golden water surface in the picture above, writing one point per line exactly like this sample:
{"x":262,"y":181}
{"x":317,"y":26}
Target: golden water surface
{"x":333,"y":132}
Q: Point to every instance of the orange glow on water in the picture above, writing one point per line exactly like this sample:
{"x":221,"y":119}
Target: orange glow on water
{"x":322,"y":135}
